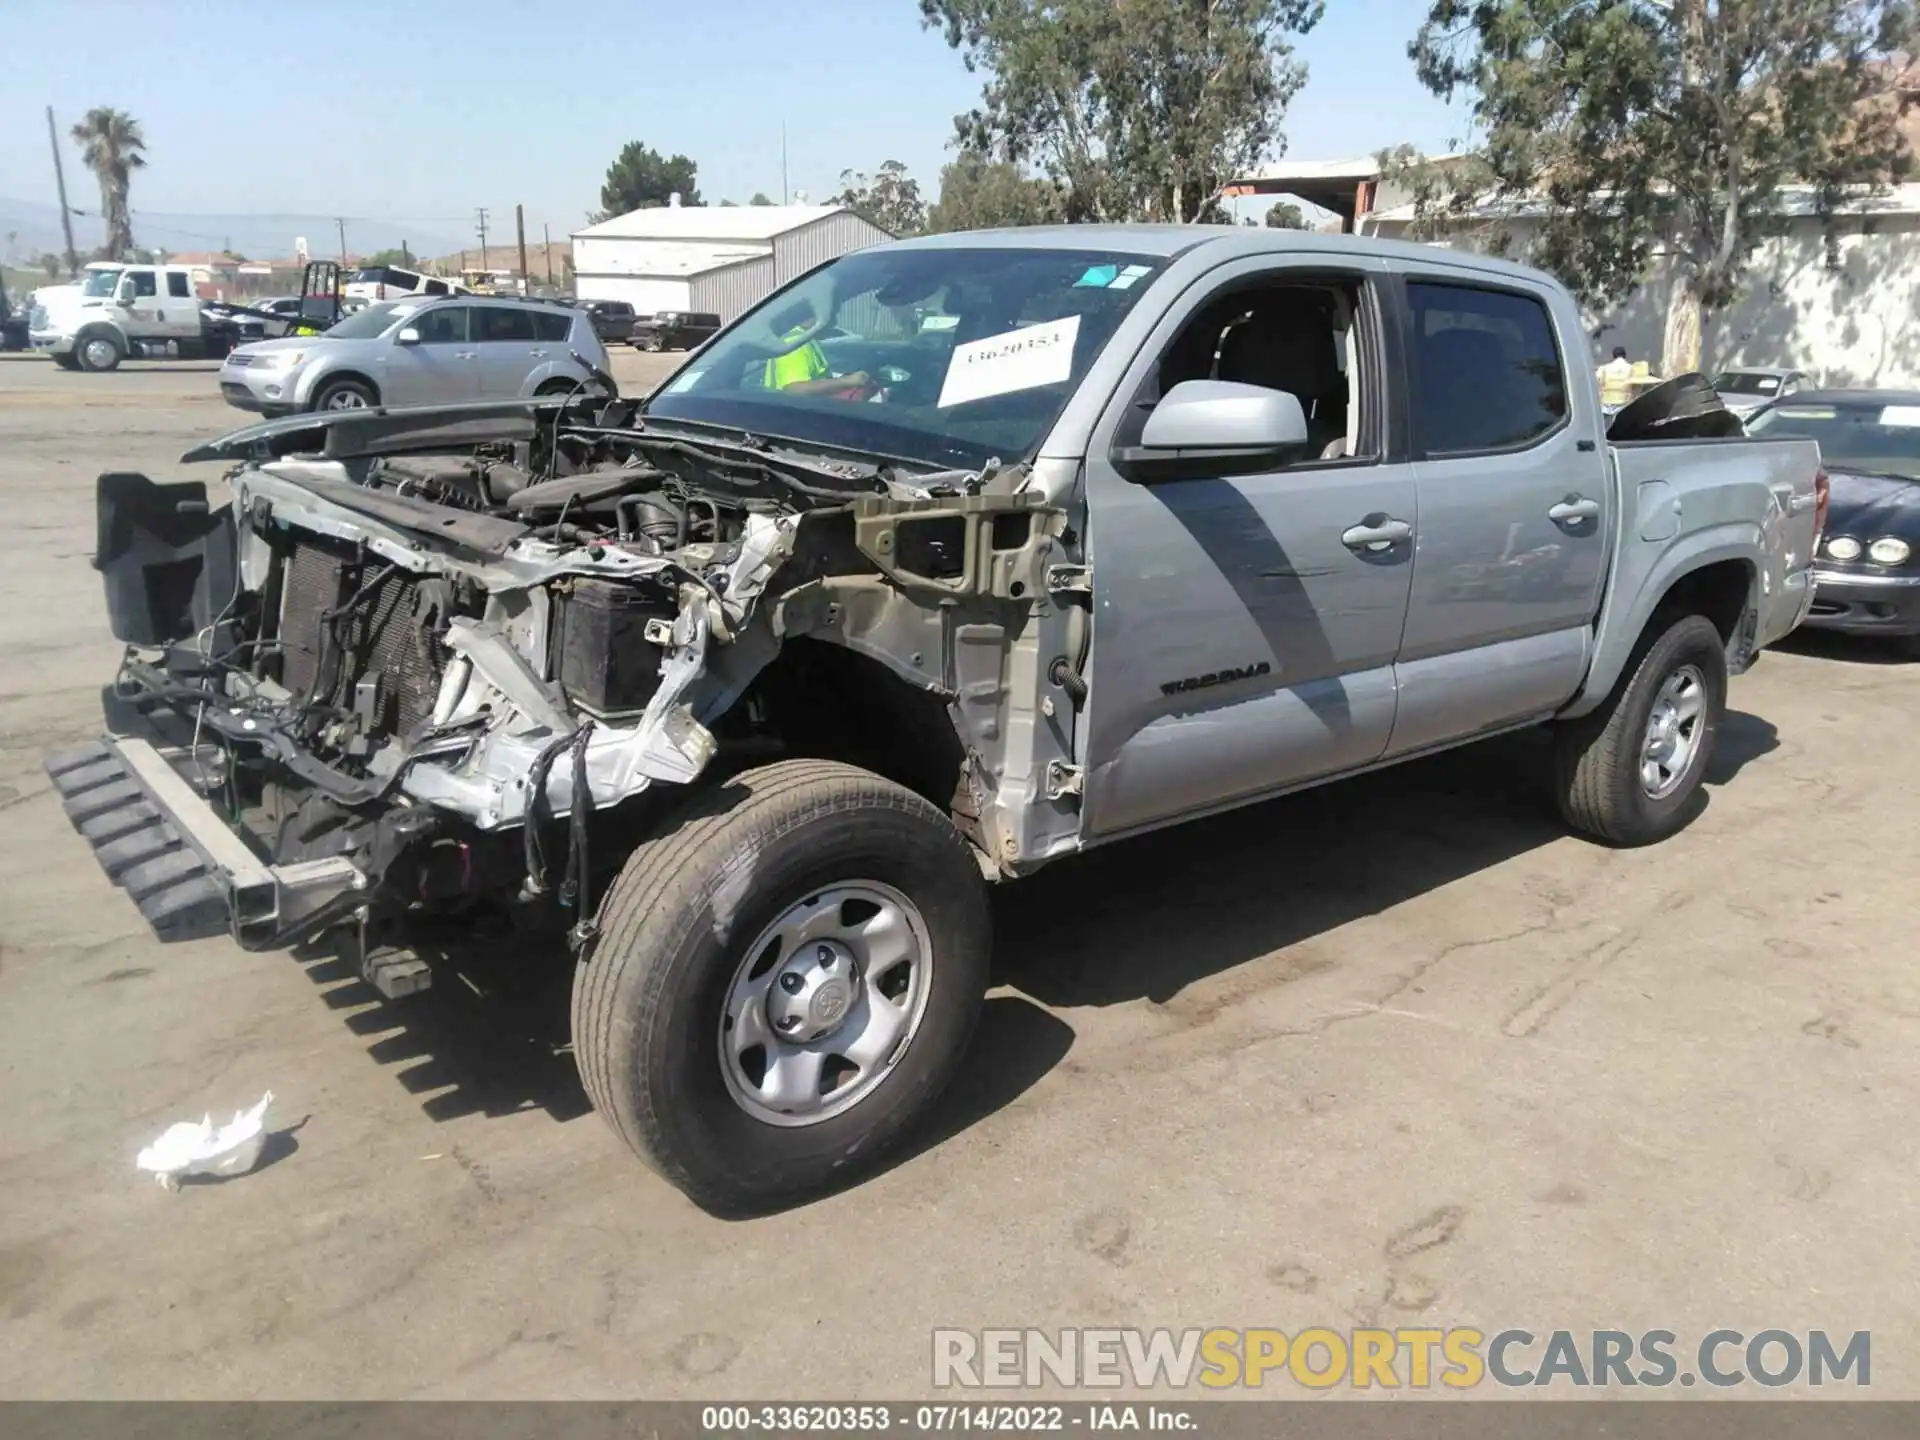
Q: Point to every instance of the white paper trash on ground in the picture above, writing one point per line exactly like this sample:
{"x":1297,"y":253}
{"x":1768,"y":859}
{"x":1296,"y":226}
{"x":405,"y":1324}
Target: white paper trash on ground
{"x":202,"y":1149}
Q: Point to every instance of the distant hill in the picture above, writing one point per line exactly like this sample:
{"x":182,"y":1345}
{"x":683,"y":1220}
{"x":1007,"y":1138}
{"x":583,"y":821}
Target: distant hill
{"x":35,"y":227}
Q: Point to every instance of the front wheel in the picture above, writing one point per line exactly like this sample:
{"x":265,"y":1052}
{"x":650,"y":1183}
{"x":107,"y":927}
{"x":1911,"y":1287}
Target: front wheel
{"x":344,"y":395}
{"x":1628,"y":774}
{"x":99,"y":353}
{"x":783,"y":984}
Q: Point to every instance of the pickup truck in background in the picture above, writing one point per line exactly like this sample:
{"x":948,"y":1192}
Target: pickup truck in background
{"x":750,"y":686}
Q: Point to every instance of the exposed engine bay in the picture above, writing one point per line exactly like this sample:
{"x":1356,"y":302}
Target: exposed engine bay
{"x":441,"y":643}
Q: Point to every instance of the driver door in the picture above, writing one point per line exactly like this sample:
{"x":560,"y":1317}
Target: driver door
{"x":442,"y":366}
{"x":1245,"y":626}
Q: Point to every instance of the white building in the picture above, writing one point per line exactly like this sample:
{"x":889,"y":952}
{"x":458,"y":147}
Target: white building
{"x":721,"y":258}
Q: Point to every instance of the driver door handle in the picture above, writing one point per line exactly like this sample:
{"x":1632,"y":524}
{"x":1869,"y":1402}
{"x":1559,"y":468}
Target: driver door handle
{"x":1377,"y":537}
{"x":464,"y":354}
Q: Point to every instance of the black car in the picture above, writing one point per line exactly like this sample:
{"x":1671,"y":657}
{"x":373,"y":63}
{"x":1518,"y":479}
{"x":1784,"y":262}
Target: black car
{"x":612,"y":319}
{"x":1867,"y":572}
{"x":674,"y":330}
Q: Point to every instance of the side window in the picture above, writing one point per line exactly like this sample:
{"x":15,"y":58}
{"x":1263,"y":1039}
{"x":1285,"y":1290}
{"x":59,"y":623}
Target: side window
{"x":444,"y":326}
{"x":436,"y":287}
{"x":556,"y":326}
{"x":497,"y":324}
{"x":179,"y":286}
{"x":144,"y":283}
{"x":1298,"y":336}
{"x":1487,"y":371}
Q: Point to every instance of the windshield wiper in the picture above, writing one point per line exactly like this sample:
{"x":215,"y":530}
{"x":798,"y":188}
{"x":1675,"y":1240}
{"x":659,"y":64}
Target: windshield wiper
{"x":724,"y":455}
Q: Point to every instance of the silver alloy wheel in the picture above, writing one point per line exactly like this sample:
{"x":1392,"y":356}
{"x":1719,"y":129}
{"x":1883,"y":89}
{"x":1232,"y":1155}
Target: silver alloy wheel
{"x":825,"y":1002}
{"x":344,"y":399}
{"x":99,"y":354}
{"x":1674,"y":729}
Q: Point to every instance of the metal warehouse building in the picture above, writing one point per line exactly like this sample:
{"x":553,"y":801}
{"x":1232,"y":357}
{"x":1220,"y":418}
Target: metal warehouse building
{"x":710,"y":258}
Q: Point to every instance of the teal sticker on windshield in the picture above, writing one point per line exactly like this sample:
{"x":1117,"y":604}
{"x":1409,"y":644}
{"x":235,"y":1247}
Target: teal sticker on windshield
{"x":1098,"y":275}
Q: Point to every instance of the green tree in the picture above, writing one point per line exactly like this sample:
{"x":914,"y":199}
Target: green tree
{"x":50,"y":263}
{"x":890,"y":198}
{"x":1133,"y":108}
{"x":977,"y":193}
{"x":641,"y":176}
{"x":112,"y":146}
{"x":1676,"y":127}
{"x":1285,"y":215}
{"x":759,"y":199}
{"x":402,"y":257}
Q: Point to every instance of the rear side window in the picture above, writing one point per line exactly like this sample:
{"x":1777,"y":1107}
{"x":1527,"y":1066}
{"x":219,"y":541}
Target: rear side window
{"x":552,"y":327}
{"x":494,"y":324}
{"x":179,"y":286}
{"x":436,"y":287}
{"x":1488,"y":373}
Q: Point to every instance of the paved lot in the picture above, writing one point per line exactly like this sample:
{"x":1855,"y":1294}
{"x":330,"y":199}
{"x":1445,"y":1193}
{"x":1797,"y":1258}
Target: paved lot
{"x":1397,"y":1051}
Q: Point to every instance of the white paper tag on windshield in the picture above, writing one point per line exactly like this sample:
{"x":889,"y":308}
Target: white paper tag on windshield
{"x":1017,"y":360}
{"x":1900,"y":417}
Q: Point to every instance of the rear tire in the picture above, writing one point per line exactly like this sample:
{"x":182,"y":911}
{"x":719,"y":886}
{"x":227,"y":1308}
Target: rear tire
{"x":557,"y":387}
{"x":99,"y":353}
{"x":345,"y":395}
{"x":1629,"y":773}
{"x":722,"y":917}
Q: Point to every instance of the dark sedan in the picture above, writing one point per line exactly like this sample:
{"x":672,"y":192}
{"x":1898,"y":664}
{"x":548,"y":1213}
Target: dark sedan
{"x":612,"y":319}
{"x":674,"y":330}
{"x":1867,"y":574}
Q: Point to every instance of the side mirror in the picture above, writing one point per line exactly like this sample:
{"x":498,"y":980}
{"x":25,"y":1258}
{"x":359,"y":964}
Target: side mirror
{"x":1207,"y":428}
{"x":123,"y":297}
{"x":408,"y":336}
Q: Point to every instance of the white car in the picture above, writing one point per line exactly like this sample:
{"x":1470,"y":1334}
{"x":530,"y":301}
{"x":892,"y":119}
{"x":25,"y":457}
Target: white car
{"x":1746,"y":389}
{"x":374,"y":283}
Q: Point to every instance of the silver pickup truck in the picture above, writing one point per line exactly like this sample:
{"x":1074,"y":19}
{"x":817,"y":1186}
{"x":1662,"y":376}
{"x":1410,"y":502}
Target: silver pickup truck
{"x":953,"y":558}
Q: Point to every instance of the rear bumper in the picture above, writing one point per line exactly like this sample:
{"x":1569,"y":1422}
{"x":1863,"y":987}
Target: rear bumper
{"x":1865,"y":604}
{"x":190,"y":875}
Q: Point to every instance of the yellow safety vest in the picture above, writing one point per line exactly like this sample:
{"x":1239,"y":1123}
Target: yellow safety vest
{"x":1615,"y":382}
{"x":804,"y":362}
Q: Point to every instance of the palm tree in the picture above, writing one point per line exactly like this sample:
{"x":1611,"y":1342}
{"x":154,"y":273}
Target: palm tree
{"x":111,"y":144}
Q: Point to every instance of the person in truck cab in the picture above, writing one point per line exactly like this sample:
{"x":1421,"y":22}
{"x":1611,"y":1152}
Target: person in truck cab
{"x":804,"y":370}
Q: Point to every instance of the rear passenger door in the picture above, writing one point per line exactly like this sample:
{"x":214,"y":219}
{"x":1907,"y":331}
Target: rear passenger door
{"x":507,"y":341}
{"x":1514,"y":509}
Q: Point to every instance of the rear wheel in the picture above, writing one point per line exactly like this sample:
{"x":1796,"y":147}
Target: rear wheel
{"x":1629,"y":773}
{"x":345,"y":395}
{"x":783,"y":984}
{"x":557,"y":387}
{"x":99,"y":352}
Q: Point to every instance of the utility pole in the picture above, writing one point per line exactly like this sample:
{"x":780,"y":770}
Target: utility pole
{"x":783,"y":162}
{"x":482,"y":228}
{"x":341,"y":224}
{"x":406,"y":255}
{"x":520,"y":230}
{"x":60,"y":181}
{"x":546,"y":244}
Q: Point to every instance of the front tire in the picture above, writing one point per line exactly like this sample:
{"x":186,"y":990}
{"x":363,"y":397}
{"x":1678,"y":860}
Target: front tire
{"x":827,"y":919}
{"x":1629,"y":773}
{"x":99,"y":353}
{"x":345,"y":395}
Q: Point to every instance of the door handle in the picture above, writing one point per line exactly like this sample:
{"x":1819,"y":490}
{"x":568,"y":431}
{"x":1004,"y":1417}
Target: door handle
{"x":1383,"y":536}
{"x":1802,"y":502}
{"x":464,"y":354}
{"x":538,"y":354}
{"x":1574,"y":510}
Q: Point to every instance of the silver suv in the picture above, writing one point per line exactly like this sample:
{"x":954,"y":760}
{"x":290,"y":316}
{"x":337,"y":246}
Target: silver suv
{"x":418,"y":352}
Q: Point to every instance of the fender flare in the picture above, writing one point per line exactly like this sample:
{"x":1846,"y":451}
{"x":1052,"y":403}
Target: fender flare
{"x":1621,"y":627}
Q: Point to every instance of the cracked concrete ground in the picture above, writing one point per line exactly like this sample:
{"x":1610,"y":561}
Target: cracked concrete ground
{"x":1397,"y":1051}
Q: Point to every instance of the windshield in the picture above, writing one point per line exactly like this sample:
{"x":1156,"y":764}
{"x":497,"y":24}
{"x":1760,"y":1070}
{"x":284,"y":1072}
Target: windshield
{"x":1746,"y":382}
{"x":1881,"y":438}
{"x":100,"y":283}
{"x":946,"y":357}
{"x":373,"y":321}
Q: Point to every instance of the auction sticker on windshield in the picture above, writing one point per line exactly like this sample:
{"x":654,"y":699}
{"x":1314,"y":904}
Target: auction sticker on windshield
{"x":1021,"y":359}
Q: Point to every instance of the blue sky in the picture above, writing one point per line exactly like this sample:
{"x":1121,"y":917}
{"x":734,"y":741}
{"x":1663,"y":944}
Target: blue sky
{"x":422,"y":110}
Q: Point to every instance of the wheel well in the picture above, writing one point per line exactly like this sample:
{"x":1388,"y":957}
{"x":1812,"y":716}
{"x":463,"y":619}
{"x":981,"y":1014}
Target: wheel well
{"x":334,"y":377}
{"x":98,"y":328}
{"x":1719,"y":591}
{"x":823,"y":701}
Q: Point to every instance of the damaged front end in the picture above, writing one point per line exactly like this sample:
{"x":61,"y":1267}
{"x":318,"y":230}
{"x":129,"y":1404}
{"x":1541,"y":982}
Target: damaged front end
{"x":438,"y":662}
